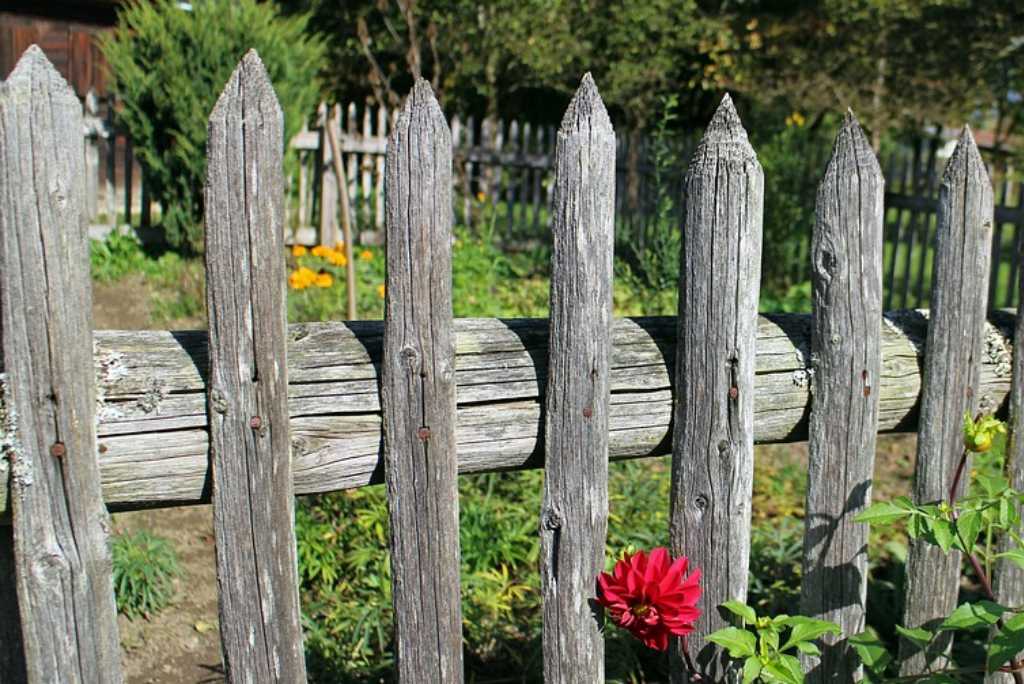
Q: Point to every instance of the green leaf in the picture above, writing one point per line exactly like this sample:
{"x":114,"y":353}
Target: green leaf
{"x":969,"y":527}
{"x":973,"y":616}
{"x":738,"y":642}
{"x":740,"y":610}
{"x":751,"y":669}
{"x":942,"y":530}
{"x":785,"y":670}
{"x":917,"y":636}
{"x":808,"y":648}
{"x":871,"y":650}
{"x":881,"y":513}
{"x":1007,"y":643}
{"x":808,"y":629}
{"x":1013,"y":555}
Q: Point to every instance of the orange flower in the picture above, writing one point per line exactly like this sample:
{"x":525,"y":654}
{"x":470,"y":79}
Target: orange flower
{"x":298,"y":250}
{"x":380,"y":290}
{"x":366,"y":255}
{"x":324,"y":280}
{"x":321,"y":251}
{"x":337,"y":258}
{"x":301,"y":278}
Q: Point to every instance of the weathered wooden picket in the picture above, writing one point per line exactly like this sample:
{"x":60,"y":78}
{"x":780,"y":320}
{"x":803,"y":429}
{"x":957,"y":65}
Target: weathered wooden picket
{"x":254,"y":411}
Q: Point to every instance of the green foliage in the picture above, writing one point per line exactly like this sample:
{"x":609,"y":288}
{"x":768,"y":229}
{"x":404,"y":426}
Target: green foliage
{"x":793,"y":157}
{"x":116,"y":256}
{"x":655,"y":264}
{"x":145,"y":567}
{"x":168,"y":66}
{"x":970,"y":524}
{"x":768,"y":646}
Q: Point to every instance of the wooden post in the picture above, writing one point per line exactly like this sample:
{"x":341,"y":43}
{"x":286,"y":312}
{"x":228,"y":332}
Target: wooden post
{"x":418,"y":395}
{"x":110,"y":184}
{"x":713,"y":438}
{"x":328,"y":179}
{"x":846,"y":358}
{"x":92,"y":154}
{"x":129,"y":162}
{"x":253,"y":515}
{"x":574,"y":516}
{"x":350,"y":265}
{"x":62,"y":563}
{"x":951,"y":375}
{"x":1009,"y":577}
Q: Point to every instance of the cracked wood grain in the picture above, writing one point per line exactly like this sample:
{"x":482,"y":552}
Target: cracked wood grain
{"x":574,"y":513}
{"x":846,"y":360}
{"x":951,"y":377}
{"x":253,"y":503}
{"x":61,"y":558}
{"x":713,"y":437}
{"x":418,"y":395}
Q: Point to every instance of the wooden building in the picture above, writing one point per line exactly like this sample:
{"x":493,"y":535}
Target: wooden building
{"x":66,"y":30}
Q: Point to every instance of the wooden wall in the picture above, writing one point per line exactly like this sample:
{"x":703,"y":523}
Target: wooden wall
{"x":66,"y":32}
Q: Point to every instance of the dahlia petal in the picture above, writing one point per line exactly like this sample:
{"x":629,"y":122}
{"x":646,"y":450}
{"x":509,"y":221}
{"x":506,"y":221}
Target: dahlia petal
{"x":675,"y":573}
{"x":657,"y":564}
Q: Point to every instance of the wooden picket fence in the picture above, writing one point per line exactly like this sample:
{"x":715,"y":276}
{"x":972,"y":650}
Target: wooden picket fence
{"x":254,"y":411}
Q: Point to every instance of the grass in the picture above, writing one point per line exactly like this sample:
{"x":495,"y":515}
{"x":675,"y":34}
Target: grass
{"x":144,"y":570}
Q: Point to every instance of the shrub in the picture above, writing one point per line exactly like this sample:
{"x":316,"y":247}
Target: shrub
{"x":168,"y":67}
{"x":144,"y":570}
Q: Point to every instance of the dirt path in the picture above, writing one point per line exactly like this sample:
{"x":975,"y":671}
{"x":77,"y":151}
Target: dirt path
{"x":180,"y":644}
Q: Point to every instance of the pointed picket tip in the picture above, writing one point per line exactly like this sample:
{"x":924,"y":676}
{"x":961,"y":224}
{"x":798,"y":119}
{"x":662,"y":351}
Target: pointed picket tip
{"x":34,"y":67}
{"x":725,"y":135}
{"x":965,"y":159}
{"x":249,"y":82}
{"x":586,"y":110}
{"x":421,"y":110}
{"x":852,"y":149}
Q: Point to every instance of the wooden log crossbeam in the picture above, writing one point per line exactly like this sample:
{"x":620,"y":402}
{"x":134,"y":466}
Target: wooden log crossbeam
{"x":151,"y":413}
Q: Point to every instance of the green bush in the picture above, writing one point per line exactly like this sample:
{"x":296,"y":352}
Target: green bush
{"x":793,"y":159}
{"x":168,"y":66}
{"x":144,"y":570}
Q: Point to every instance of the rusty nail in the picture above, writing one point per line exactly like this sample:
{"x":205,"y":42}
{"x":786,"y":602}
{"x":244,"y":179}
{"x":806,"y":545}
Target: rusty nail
{"x":587,"y":412}
{"x":103,"y":448}
{"x":58,"y":450}
{"x":423,"y":433}
{"x":255,"y":422}
{"x":733,"y":392}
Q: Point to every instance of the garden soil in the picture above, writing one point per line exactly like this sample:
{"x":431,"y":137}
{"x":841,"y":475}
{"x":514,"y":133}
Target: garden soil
{"x":180,"y":644}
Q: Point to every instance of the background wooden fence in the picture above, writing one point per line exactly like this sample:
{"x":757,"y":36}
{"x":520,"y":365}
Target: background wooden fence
{"x":503,"y":180}
{"x":254,"y":411}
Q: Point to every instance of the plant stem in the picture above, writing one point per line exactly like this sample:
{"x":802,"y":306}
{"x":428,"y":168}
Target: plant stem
{"x":685,"y":648}
{"x":1015,"y":664}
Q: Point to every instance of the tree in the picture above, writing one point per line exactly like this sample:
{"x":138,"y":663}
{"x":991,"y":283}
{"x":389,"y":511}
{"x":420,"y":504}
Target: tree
{"x":168,"y":66}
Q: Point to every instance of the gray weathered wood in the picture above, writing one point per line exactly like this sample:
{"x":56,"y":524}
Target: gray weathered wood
{"x":62,"y":563}
{"x":574,"y":513}
{"x":418,"y":395}
{"x":951,"y":375}
{"x":152,"y":402}
{"x":253,"y":517}
{"x":1008,"y":581}
{"x":846,"y":359}
{"x":329,"y":231}
{"x":713,"y":437}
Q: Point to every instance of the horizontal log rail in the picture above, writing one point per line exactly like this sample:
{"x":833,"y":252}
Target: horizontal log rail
{"x":152,"y":423}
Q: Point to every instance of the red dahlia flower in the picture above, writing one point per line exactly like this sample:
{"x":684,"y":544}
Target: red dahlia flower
{"x":650,"y":597}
